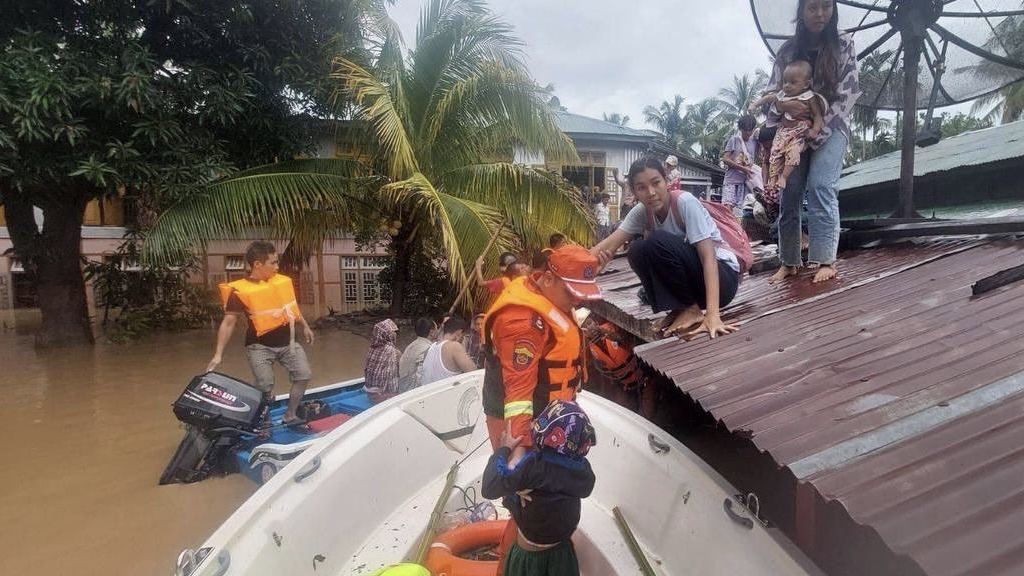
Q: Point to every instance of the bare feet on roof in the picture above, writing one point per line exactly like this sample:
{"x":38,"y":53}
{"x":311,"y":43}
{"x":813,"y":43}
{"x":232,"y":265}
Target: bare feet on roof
{"x":782,"y":273}
{"x":684,"y":319}
{"x":825,"y":273}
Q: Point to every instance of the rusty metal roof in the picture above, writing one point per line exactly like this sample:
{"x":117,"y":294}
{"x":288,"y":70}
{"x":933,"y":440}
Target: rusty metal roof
{"x":893,"y":392}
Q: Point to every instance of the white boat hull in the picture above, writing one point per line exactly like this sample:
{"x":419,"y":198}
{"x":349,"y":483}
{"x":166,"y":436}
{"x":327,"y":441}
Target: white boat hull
{"x":361,"y":497}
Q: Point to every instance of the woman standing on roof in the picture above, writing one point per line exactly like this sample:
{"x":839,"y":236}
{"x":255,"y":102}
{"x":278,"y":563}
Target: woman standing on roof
{"x":834,"y":61}
{"x":683,"y":263}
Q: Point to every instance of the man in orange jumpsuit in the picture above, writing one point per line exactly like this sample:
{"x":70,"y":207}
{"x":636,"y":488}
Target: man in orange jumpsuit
{"x":535,"y":349}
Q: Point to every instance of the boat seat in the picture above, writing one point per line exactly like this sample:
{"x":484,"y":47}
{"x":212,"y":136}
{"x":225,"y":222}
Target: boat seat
{"x":329,"y":423}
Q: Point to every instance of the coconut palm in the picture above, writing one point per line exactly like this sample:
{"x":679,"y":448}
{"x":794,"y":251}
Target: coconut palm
{"x":1007,"y":104}
{"x":434,"y":130}
{"x":704,"y":128}
{"x":667,"y":118}
{"x":617,"y":119}
{"x":736,"y":100}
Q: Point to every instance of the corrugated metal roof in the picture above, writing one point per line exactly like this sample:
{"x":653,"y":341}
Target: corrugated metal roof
{"x":575,"y":124}
{"x":898,"y":395}
{"x":969,"y":149}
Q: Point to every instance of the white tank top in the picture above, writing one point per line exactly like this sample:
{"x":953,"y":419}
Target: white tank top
{"x":433,"y":365}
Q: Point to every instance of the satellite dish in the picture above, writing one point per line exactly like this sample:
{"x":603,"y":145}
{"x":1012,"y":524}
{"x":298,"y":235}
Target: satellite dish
{"x":969,"y":48}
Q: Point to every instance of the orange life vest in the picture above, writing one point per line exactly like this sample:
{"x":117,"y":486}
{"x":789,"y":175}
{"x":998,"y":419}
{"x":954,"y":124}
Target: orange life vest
{"x":562,"y":370}
{"x":616,"y":360}
{"x":271,"y":304}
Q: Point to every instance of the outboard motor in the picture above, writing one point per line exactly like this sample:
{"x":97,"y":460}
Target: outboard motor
{"x":219,"y":412}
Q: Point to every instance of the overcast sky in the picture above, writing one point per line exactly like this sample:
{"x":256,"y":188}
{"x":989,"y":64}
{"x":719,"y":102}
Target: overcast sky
{"x":621,"y":55}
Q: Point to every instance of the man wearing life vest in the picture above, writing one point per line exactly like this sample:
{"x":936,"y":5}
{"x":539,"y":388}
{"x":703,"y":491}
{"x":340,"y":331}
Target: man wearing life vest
{"x":535,"y":351}
{"x":267,"y":300}
{"x":612,"y":353}
{"x":534,"y":346}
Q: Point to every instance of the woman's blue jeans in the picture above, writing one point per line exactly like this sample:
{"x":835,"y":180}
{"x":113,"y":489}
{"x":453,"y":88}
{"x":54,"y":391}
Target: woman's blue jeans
{"x":817,"y":176}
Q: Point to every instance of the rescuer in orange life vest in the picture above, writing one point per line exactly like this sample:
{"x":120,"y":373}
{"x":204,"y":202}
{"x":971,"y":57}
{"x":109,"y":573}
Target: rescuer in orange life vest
{"x":535,"y":350}
{"x":267,"y":300}
{"x":612,"y":353}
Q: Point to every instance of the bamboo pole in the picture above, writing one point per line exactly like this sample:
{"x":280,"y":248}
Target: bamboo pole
{"x":469,"y":281}
{"x":435,"y":517}
{"x":634,"y":546}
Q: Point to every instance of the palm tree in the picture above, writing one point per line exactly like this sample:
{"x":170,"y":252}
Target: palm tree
{"x":616,"y":118}
{"x":736,"y":100}
{"x":1007,"y":104}
{"x":667,"y":118}
{"x":431,"y":128}
{"x":705,"y":127}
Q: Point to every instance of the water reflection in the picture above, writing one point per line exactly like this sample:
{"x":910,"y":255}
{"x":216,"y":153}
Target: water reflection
{"x":86,"y":434}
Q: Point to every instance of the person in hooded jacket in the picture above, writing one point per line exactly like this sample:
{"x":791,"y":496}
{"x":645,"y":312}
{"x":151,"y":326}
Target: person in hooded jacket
{"x":544,"y":490}
{"x":382,"y":362}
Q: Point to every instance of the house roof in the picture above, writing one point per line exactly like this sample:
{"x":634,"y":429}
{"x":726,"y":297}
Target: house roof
{"x":893,"y":392}
{"x":575,"y":124}
{"x":966,"y":150}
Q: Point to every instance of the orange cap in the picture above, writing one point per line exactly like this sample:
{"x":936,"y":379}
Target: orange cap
{"x":577,"y":267}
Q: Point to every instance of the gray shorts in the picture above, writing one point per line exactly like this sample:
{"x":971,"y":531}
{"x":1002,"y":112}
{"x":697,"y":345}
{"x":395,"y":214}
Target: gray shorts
{"x":262,"y":358}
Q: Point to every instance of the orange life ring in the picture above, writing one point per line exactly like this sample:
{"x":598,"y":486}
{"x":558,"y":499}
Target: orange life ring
{"x":444,"y":560}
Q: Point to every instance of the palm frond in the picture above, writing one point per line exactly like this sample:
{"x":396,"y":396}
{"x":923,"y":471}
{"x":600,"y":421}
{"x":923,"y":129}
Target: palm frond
{"x":279,"y":203}
{"x":382,"y":106}
{"x":461,"y":226}
{"x":536,"y":201}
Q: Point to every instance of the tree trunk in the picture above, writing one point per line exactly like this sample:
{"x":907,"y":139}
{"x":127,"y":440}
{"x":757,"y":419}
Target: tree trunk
{"x":403,"y":259}
{"x":53,"y":257}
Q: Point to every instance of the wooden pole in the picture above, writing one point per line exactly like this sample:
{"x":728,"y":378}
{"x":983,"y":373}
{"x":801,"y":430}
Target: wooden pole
{"x":469,"y":282}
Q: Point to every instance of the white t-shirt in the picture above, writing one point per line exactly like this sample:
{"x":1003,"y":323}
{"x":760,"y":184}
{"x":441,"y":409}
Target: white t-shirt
{"x":601,"y":214}
{"x":697,"y":225}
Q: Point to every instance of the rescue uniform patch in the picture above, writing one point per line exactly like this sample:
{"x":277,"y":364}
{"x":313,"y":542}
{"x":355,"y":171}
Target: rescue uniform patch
{"x":523,"y":354}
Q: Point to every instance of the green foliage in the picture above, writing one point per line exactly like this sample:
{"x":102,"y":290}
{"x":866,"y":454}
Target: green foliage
{"x":137,"y":299}
{"x":428,"y":291}
{"x":152,"y":100}
{"x":953,"y":125}
{"x":429,"y":128}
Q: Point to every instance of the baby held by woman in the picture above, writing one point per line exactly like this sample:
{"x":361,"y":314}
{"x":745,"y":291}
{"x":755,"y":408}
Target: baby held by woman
{"x":802,"y":112}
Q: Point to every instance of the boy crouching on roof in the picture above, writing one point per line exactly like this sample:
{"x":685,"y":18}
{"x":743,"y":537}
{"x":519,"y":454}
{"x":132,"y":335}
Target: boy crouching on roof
{"x":544,"y":490}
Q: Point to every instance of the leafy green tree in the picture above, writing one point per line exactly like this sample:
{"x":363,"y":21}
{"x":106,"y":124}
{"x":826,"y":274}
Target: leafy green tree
{"x":434,"y":130}
{"x":961,"y":122}
{"x":147,"y":100}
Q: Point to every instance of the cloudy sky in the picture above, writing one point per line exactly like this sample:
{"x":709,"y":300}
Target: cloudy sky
{"x":621,"y":55}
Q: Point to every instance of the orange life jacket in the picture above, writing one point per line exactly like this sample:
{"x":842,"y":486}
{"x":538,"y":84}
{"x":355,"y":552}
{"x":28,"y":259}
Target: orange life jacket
{"x":271,"y":304}
{"x":616,"y":360}
{"x":562,"y":370}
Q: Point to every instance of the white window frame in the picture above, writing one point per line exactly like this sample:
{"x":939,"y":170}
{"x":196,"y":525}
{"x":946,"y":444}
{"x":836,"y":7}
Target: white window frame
{"x":234,"y":262}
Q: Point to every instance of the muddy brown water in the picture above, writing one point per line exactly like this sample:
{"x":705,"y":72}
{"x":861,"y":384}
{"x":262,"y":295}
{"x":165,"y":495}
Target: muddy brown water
{"x":85,"y":435}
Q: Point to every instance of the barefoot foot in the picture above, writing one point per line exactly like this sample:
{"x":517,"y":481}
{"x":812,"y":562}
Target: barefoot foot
{"x":825,"y":273}
{"x":683,"y":320}
{"x":782,"y":273}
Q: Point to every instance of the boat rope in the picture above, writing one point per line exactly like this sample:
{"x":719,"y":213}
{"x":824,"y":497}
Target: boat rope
{"x":478,"y":510}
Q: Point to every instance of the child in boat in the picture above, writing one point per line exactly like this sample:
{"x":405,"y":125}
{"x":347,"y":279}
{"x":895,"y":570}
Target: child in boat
{"x":802,"y":112}
{"x":543,"y":491}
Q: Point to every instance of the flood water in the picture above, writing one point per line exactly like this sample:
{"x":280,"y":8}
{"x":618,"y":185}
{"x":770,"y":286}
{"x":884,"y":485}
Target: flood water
{"x":85,"y":435}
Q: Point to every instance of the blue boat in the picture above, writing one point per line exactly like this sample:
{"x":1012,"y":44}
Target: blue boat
{"x":225,"y":418}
